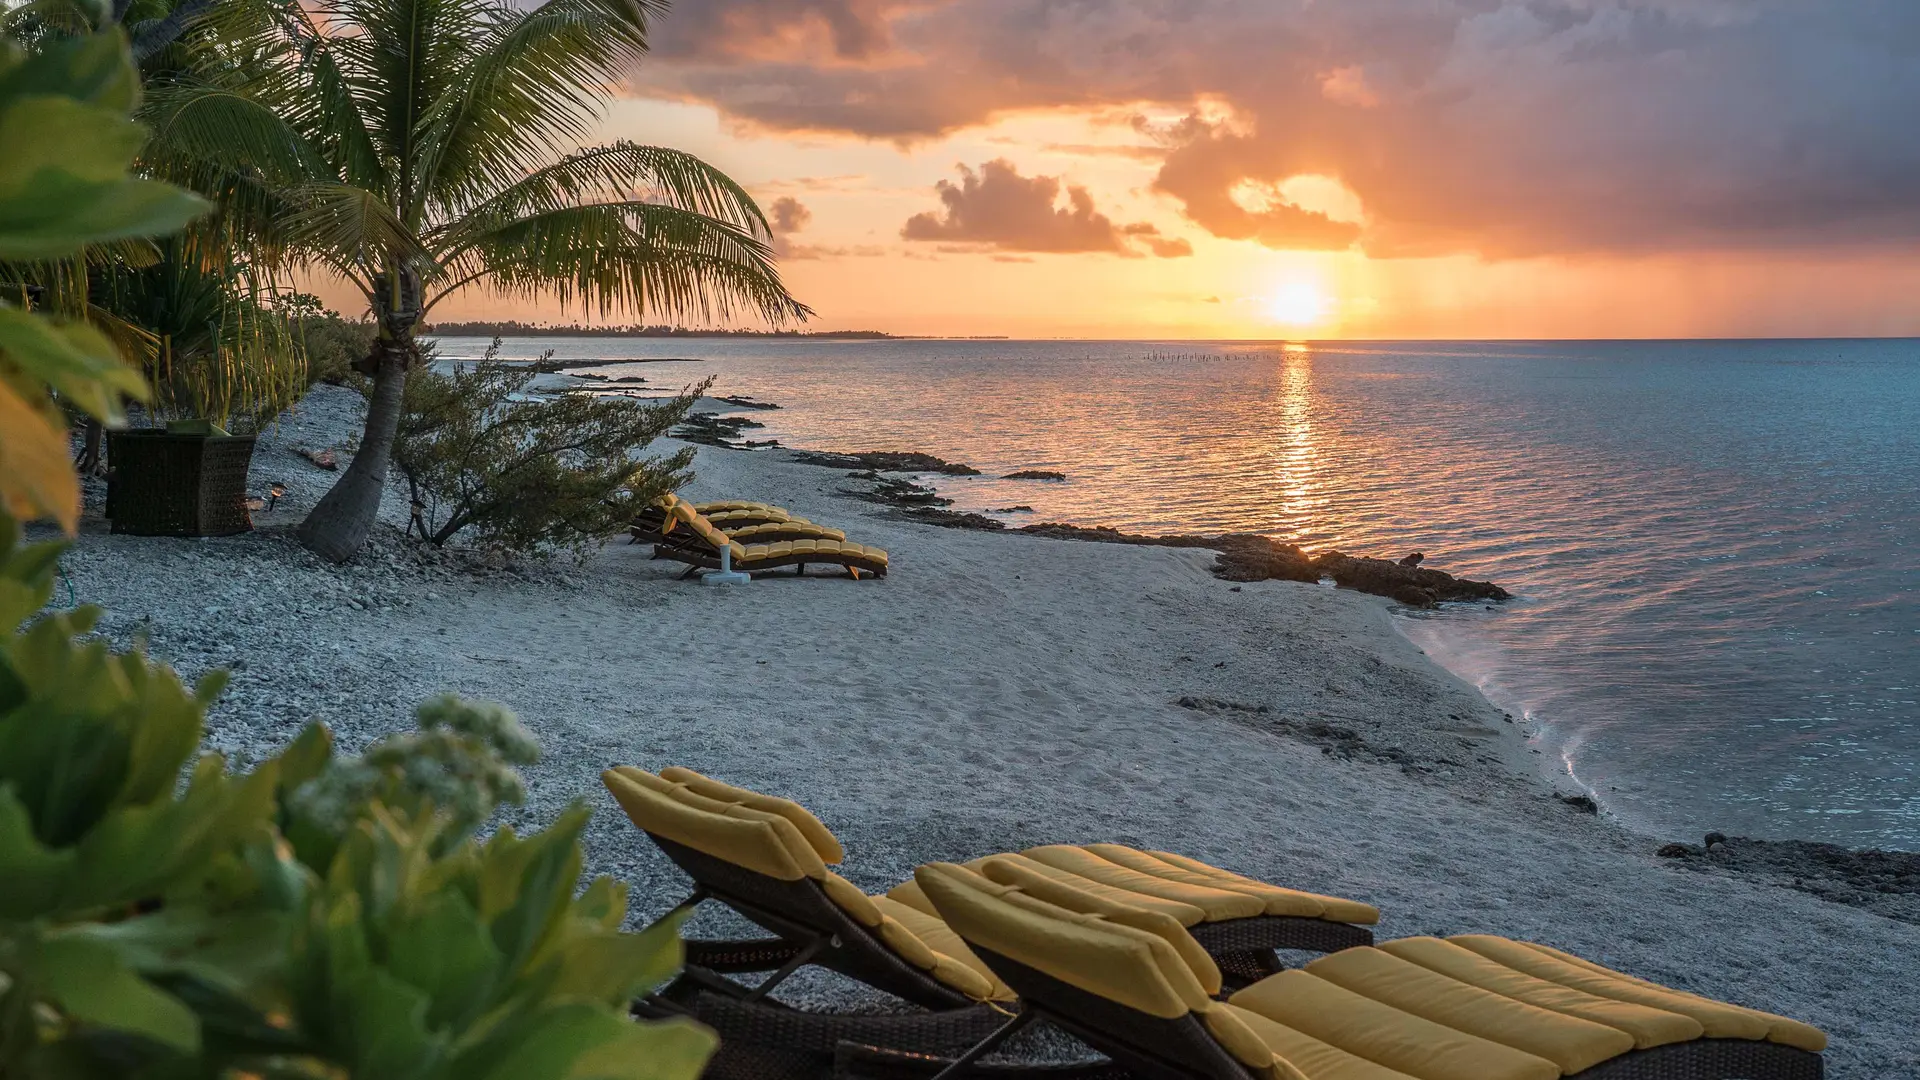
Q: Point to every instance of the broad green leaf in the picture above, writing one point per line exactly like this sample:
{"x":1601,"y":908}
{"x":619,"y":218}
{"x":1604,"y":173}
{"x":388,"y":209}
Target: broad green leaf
{"x":445,"y":951}
{"x":76,"y":360}
{"x":584,"y":1042}
{"x":97,"y":69}
{"x":33,"y":872}
{"x":236,"y":951}
{"x":36,"y":479}
{"x":88,"y":981}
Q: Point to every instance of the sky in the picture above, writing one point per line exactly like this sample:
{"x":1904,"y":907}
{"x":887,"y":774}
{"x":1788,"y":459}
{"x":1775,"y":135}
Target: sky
{"x":1310,"y":168}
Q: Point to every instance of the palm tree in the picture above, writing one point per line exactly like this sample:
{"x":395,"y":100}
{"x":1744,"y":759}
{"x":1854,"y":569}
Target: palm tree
{"x":417,"y":148}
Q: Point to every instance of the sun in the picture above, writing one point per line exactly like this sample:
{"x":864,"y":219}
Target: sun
{"x":1299,"y":304}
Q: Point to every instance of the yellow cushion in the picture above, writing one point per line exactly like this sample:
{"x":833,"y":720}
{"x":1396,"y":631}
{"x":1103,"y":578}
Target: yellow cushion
{"x":1385,"y":1035}
{"x":1053,"y":889}
{"x":1569,"y":1042}
{"x":1217,"y":903}
{"x":1186,"y":914}
{"x":1279,"y":901}
{"x":1305,"y":1054}
{"x":1224,"y":1023}
{"x":975,"y":979}
{"x":909,"y":893}
{"x":1128,"y":966}
{"x":822,"y":840}
{"x":1780,"y":1029}
{"x":1720,"y":1021}
{"x":762,"y":842}
{"x":1649,"y":1027}
{"x":848,"y":898}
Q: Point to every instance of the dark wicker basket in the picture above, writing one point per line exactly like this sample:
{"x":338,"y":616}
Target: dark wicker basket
{"x":165,"y":484}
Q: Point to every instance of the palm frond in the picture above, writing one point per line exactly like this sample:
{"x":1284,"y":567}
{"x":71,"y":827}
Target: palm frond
{"x":351,"y":228}
{"x":325,"y":107}
{"x":226,"y":128}
{"x":530,"y":93}
{"x":637,"y":257}
{"x":621,"y":171}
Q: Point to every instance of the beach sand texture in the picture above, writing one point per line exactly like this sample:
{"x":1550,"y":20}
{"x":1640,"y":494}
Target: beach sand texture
{"x":993,"y":693}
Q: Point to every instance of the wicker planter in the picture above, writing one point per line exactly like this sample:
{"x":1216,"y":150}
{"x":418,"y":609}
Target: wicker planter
{"x":171,"y":484}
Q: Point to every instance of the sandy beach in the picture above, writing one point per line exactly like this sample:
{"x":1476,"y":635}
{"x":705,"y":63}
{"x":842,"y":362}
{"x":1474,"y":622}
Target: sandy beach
{"x":993,"y":693}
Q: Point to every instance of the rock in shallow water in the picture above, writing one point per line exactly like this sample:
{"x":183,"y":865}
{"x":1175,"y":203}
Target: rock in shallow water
{"x":1410,"y":585}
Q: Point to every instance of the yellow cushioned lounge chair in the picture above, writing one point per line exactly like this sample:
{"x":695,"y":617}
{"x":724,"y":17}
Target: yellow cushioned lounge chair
{"x":752,"y":523}
{"x":768,"y":858}
{"x":692,"y":538}
{"x":1134,"y":984}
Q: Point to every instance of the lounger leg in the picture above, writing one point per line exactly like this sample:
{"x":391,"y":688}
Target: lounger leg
{"x":987,"y":1045}
{"x":800,"y":960}
{"x":694,"y":899}
{"x":691,"y":570}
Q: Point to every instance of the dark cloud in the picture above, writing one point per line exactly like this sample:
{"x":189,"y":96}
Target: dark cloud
{"x":996,"y":206}
{"x":1507,"y":127}
{"x":788,"y":215}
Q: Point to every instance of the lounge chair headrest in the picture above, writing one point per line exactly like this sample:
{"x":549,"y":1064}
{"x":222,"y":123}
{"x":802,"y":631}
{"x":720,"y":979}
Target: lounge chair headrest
{"x":1133,"y":967}
{"x":817,"y":835}
{"x":757,"y":840}
{"x":1031,"y":878}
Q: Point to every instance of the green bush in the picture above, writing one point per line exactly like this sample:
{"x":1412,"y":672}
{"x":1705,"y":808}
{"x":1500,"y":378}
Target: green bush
{"x":526,"y":473}
{"x":334,"y":344}
{"x":319,"y":916}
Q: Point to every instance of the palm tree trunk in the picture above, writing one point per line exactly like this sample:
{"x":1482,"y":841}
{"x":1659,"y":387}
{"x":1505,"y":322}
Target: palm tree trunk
{"x":338,"y":526}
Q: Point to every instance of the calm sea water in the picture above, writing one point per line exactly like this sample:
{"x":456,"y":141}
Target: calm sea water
{"x":1714,"y":545}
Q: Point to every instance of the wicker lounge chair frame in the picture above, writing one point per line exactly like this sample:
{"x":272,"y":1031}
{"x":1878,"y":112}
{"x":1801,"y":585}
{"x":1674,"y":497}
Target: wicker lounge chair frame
{"x":762,"y":1039}
{"x":698,"y":556}
{"x":1152,"y":1048}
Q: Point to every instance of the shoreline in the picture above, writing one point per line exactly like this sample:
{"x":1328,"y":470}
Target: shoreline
{"x":993,"y":693}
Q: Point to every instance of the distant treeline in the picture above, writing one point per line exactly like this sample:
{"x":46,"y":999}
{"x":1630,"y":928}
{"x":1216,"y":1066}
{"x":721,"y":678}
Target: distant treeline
{"x":520,"y":329}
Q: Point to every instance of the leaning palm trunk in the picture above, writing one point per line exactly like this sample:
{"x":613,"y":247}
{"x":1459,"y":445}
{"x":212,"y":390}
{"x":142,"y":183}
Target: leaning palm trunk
{"x":429,"y":137}
{"x":340,"y":522}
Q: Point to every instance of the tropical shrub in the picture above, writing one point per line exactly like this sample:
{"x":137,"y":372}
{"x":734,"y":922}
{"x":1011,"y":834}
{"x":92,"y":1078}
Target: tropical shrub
{"x":64,"y":186}
{"x":527,"y":473}
{"x":333,"y":344}
{"x":222,"y":350}
{"x":318,"y":916}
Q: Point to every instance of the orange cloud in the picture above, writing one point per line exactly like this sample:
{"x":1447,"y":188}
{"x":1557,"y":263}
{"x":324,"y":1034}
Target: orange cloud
{"x":998,"y":207}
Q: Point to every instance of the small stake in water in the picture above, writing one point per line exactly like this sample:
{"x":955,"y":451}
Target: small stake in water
{"x":725,"y":575}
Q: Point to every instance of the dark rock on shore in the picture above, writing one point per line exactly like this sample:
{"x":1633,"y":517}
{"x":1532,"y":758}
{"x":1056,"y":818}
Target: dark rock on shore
{"x":709,"y":429}
{"x":1101,"y":535}
{"x":1035,"y":474}
{"x":1409,"y":585}
{"x":887,"y":461}
{"x":1250,"y":557}
{"x":1023,"y":508}
{"x":743,"y":402}
{"x":1582,"y":803}
{"x":1884,"y":882}
{"x":952,"y":519}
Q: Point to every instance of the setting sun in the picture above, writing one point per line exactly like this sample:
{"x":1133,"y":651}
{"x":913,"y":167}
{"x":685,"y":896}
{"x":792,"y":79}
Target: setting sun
{"x":1299,"y":304}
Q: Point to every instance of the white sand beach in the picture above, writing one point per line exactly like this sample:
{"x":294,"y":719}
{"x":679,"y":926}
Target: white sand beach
{"x":994,"y":692}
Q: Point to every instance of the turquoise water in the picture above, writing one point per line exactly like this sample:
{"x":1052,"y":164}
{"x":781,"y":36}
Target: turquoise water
{"x":1713,"y":544}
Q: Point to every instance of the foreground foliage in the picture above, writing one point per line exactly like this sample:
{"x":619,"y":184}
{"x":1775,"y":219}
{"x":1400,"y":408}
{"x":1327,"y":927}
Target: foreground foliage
{"x":317,"y":916}
{"x":526,"y":473}
{"x":64,"y":185}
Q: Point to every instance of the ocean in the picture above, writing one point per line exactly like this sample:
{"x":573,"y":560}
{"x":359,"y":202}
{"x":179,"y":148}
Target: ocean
{"x":1714,"y":546}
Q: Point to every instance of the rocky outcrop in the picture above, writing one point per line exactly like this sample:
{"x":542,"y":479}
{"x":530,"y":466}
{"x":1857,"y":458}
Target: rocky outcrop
{"x":1035,"y":474}
{"x":887,"y":461}
{"x":1250,"y":557}
{"x":1884,"y":882}
{"x":1409,"y":585}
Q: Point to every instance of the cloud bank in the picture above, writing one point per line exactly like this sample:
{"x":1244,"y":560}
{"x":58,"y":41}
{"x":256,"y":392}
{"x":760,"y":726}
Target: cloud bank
{"x":1503,"y":127}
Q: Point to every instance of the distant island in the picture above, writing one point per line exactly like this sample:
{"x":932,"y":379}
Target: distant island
{"x":520,"y":329}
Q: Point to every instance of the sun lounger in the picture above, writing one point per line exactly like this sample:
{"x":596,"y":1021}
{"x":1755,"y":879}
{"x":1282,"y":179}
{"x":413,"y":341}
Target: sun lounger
{"x":1134,"y":985}
{"x":694,"y":539}
{"x":768,"y":859}
{"x":655,"y":523}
